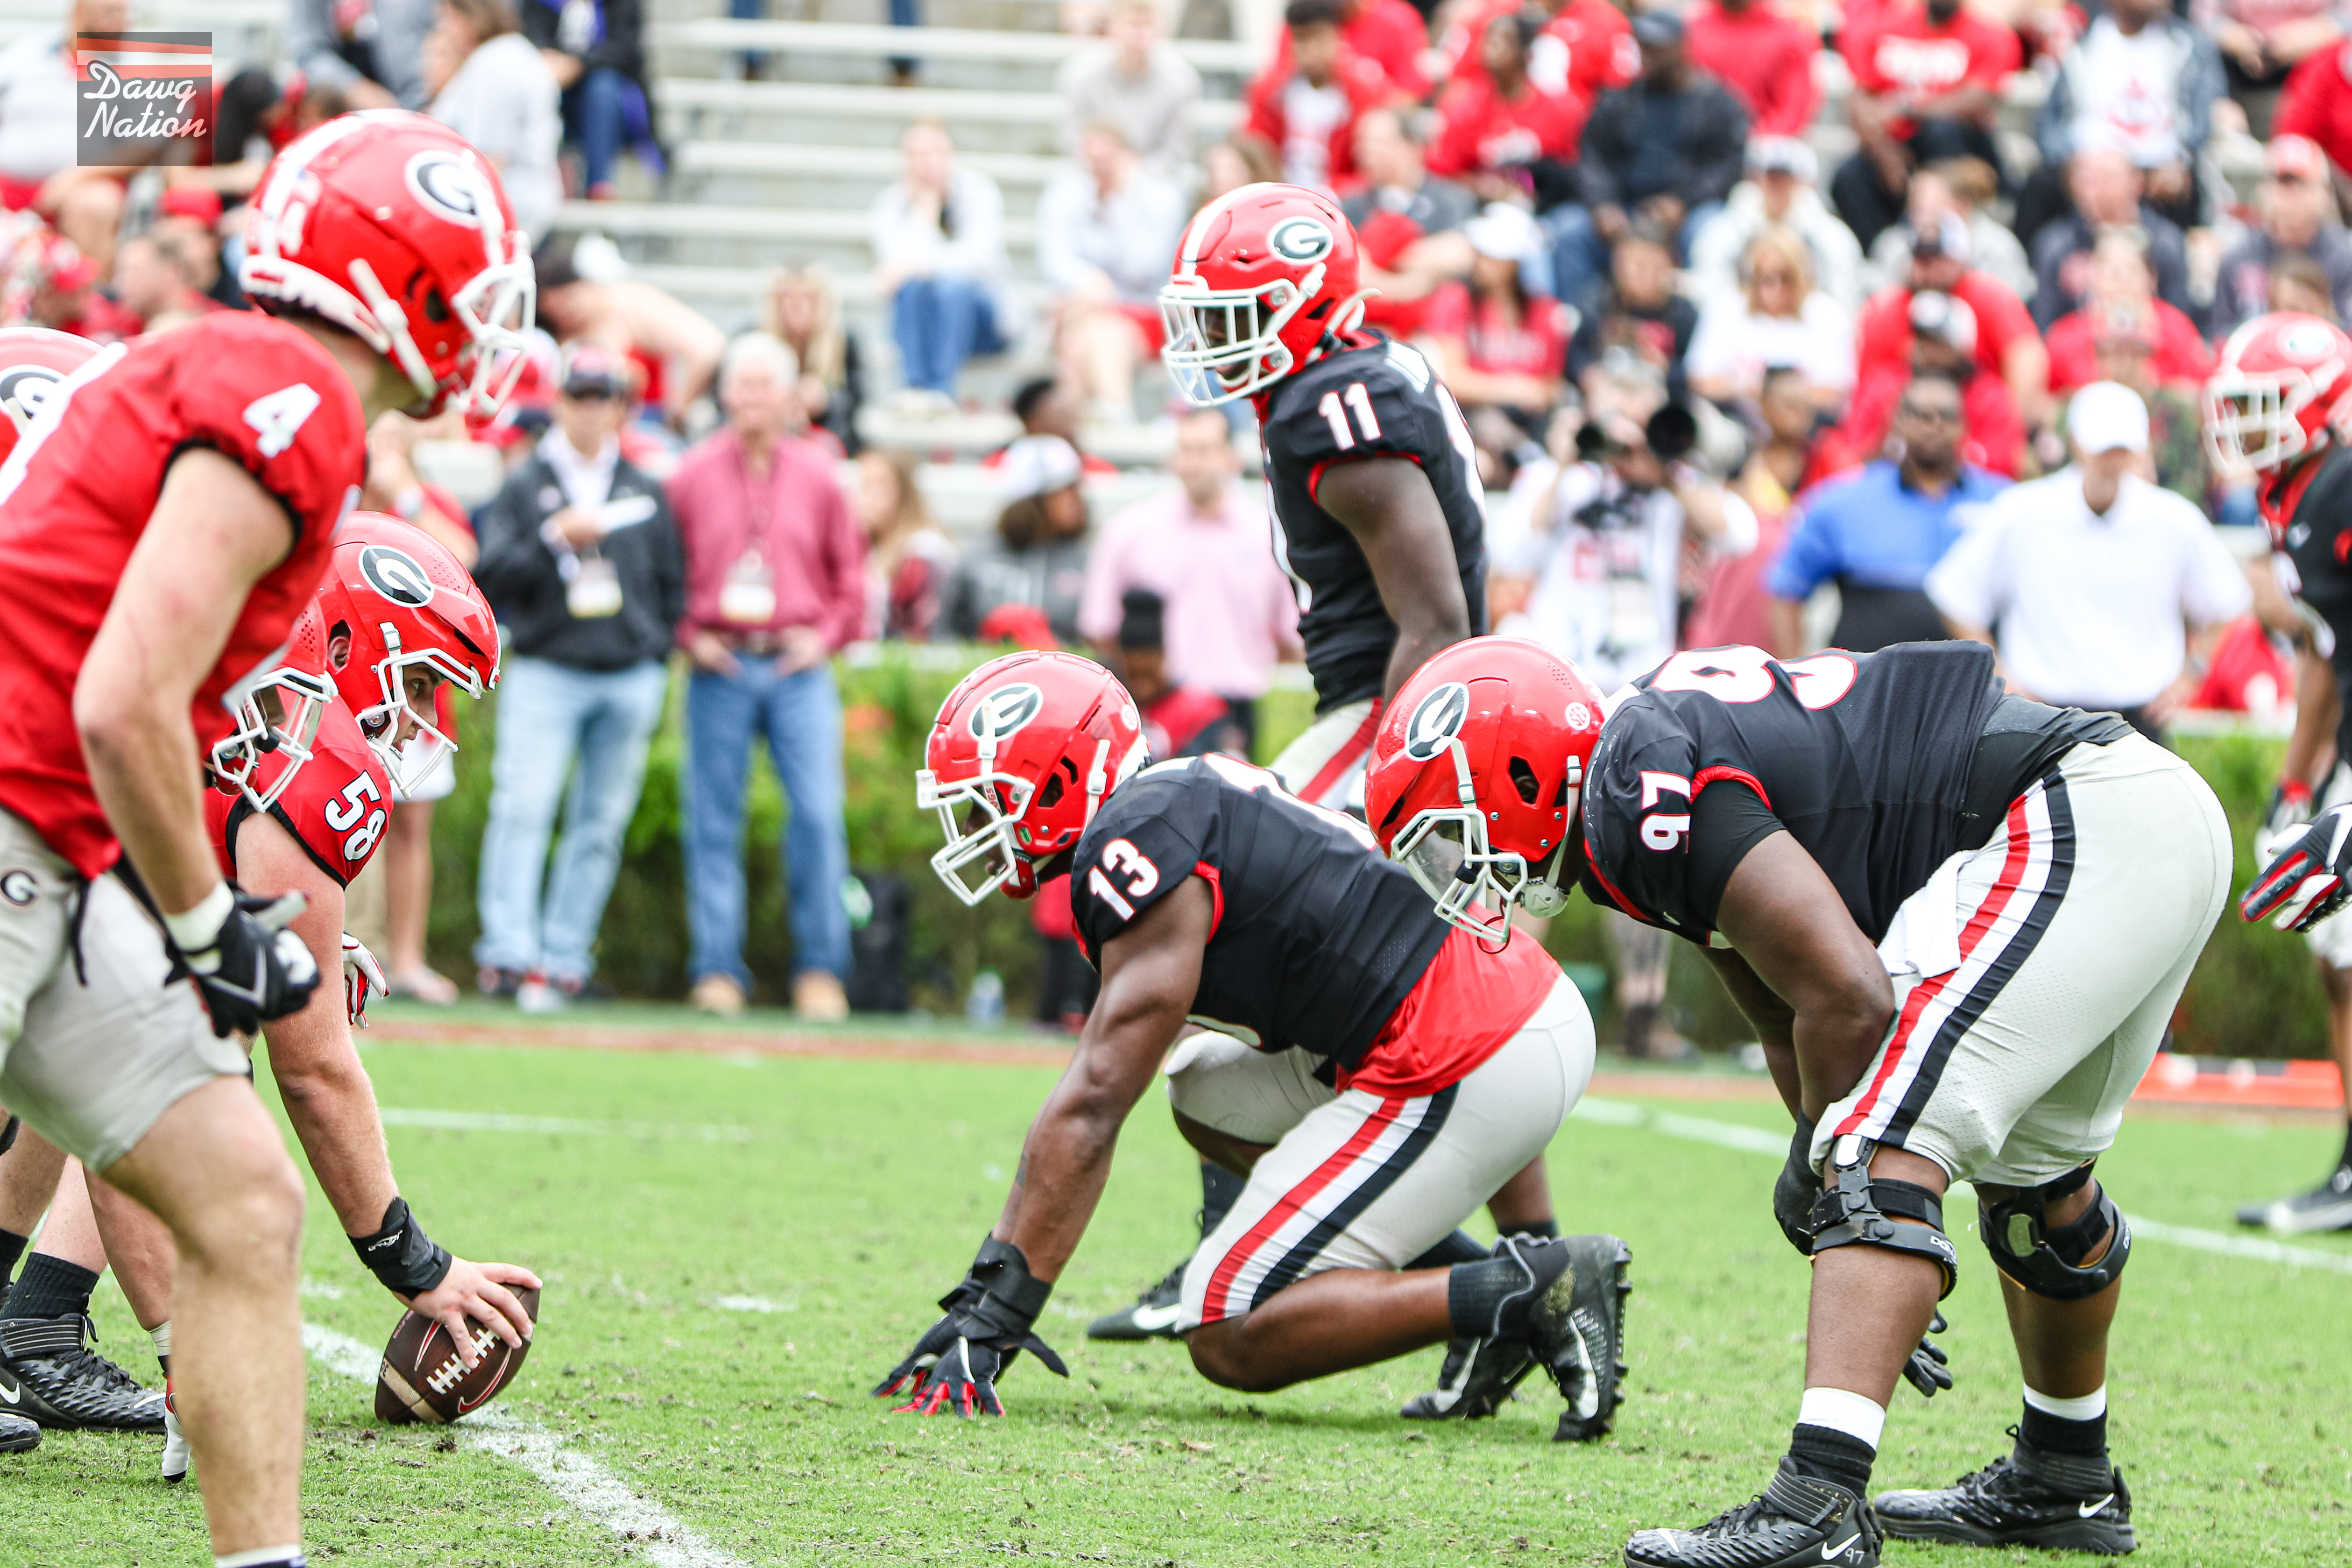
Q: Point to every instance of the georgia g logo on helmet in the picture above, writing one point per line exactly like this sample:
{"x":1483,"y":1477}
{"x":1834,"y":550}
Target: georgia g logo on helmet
{"x":1437,"y":720}
{"x":25,"y":387}
{"x":1005,"y":709}
{"x":396,"y":575}
{"x":1300,"y":239}
{"x":451,"y":188}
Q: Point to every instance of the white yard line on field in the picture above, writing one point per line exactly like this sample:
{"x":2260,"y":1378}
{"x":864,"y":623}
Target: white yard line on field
{"x":1756,"y":1140}
{"x":753,"y":1304}
{"x":591,"y":1490}
{"x":499,"y":1121}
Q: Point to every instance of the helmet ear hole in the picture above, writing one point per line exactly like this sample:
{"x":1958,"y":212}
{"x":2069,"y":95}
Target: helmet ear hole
{"x":1522,"y":779}
{"x":436,"y":309}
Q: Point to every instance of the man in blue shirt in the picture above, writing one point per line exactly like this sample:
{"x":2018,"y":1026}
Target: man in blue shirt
{"x":1877,"y":533}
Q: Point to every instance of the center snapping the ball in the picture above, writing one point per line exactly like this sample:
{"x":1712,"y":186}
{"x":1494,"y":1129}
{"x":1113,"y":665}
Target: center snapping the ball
{"x":424,"y":1379}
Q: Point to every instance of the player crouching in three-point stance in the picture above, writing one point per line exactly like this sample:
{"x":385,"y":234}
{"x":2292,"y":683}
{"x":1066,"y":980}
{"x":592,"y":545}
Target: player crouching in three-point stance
{"x":1958,"y":920}
{"x":1374,"y":1077}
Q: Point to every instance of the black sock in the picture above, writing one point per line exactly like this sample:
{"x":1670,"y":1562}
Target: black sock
{"x":51,"y":1287}
{"x":1541,"y":1229}
{"x":1459,"y":1247}
{"x":2345,"y":1158}
{"x":12,"y":1247}
{"x":1220,"y":1190}
{"x":2056,"y":1435}
{"x":1827,"y":1453}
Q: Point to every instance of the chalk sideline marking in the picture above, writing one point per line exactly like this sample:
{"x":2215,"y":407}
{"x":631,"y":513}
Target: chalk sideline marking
{"x":1756,"y":1141}
{"x":499,"y":1121}
{"x":753,"y":1304}
{"x":591,"y":1490}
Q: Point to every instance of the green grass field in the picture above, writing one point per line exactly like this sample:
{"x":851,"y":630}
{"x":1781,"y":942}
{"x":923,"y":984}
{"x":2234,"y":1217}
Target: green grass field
{"x":846,"y":1196}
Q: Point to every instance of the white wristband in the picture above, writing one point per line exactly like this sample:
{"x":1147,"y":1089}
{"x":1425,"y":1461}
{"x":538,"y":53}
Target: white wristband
{"x":193,"y":929}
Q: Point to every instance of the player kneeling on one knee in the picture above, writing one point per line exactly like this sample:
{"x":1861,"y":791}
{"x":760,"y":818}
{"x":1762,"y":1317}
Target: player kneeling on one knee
{"x":1373,"y":1075}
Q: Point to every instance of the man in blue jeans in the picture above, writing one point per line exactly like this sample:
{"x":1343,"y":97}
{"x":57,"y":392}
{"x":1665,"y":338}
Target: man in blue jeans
{"x":775,"y":571}
{"x":580,"y":561}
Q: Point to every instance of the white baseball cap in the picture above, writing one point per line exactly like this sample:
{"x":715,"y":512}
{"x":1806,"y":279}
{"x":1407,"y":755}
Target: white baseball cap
{"x":2105,"y":415}
{"x":1039,"y":465}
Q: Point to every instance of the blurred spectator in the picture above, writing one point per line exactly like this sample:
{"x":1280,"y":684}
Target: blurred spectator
{"x":1877,"y":534}
{"x":776,"y":574}
{"x":1782,"y":320}
{"x":1135,"y":80}
{"x":2120,"y":306}
{"x":2108,"y":593}
{"x":1926,"y":80}
{"x":1944,"y":341}
{"x":1504,"y":135}
{"x":1046,"y":407}
{"x":2296,"y":218}
{"x":491,"y":87}
{"x":1766,"y":59}
{"x":1669,"y":148}
{"x":907,"y":557}
{"x":1239,"y":160}
{"x":938,"y":246}
{"x":374,"y":54}
{"x":154,"y":279}
{"x":801,"y":307}
{"x":2262,"y":41}
{"x":2107,"y":191}
{"x":1586,"y":46}
{"x":51,"y":284}
{"x":1965,"y":188}
{"x":2301,"y":284}
{"x":2175,"y":421}
{"x":1408,"y":224}
{"x":1037,"y":563}
{"x":1204,"y":550}
{"x":595,"y":50}
{"x":1778,"y":191}
{"x":1178,"y":720}
{"x":2318,"y":104}
{"x":2006,"y":343}
{"x":1388,"y":34}
{"x":673,"y":348}
{"x":1304,"y":107}
{"x":187,"y":222}
{"x":1499,"y":346}
{"x":2141,"y":79}
{"x":1637,"y":316}
{"x":1106,"y":231}
{"x":580,"y":558}
{"x":1797,"y":451}
{"x":39,"y":162}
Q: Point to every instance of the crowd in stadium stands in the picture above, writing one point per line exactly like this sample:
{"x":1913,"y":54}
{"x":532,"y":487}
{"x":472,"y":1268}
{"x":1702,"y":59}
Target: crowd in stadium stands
{"x":1706,"y":374}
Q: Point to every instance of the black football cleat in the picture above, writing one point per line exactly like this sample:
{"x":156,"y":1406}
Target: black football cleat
{"x":2327,"y":1206}
{"x":1577,"y":1334}
{"x":1478,"y":1376}
{"x":1800,"y":1522}
{"x":48,"y":1375}
{"x":1153,"y":1316}
{"x":2027,"y":1498}
{"x":18,"y":1435}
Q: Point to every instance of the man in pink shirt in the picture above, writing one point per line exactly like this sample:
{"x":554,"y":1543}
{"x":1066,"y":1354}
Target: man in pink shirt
{"x":774,"y":583}
{"x":1230,"y":613}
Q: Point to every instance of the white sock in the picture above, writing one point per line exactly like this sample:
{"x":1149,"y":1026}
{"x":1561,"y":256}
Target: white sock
{"x":2089,"y":1407}
{"x":1854,"y":1415}
{"x":263,"y":1557}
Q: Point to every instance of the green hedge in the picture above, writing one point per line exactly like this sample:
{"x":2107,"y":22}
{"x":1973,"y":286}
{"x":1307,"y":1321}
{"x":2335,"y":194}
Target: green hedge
{"x":2255,"y":992}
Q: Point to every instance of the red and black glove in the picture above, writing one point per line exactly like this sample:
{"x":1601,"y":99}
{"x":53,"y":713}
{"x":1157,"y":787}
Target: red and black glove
{"x":2306,"y":880}
{"x":990,"y":1319}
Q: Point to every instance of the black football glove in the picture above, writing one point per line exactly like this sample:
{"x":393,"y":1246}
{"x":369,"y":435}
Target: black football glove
{"x":990,"y":1319}
{"x":2306,"y":880}
{"x":1929,"y":1368}
{"x":1797,"y":1189}
{"x":254,"y":968}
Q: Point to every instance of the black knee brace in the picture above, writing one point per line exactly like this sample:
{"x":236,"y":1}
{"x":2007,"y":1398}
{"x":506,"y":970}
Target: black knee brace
{"x":1902,"y":1216}
{"x":2047,"y":1259}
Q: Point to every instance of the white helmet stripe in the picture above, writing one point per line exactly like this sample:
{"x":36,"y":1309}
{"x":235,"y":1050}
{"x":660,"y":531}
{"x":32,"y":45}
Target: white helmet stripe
{"x":1189,"y":254}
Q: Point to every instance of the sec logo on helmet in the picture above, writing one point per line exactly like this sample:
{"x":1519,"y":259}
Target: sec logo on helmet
{"x":1005,"y":709}
{"x":395,"y":574}
{"x":1436,"y":720}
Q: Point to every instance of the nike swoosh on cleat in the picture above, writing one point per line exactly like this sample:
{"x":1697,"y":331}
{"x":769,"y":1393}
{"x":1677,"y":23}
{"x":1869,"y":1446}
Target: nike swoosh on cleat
{"x":1588,"y":1402}
{"x":2088,"y":1509}
{"x":11,"y":1395}
{"x":1833,"y":1550}
{"x":1153,"y":1319}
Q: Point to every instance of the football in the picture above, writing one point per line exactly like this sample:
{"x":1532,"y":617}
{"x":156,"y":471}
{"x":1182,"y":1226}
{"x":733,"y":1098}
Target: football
{"x":422,"y":1378}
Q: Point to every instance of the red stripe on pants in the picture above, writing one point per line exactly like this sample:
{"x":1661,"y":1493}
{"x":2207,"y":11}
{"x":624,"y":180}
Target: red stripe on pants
{"x":1221,"y":1283}
{"x":1332,"y":772}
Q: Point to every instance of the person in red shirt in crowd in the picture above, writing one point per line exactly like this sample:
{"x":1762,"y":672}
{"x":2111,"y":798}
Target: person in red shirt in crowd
{"x":1304,"y":108}
{"x":1766,"y":59}
{"x":2006,"y":343}
{"x":2123,"y":304}
{"x":156,"y":281}
{"x":1927,"y":78}
{"x":1944,"y":337}
{"x":1587,"y":48}
{"x":54,"y":285}
{"x":1497,"y":345}
{"x":1408,"y":224}
{"x":1389,"y":33}
{"x":1504,"y":136}
{"x":2317,"y":104}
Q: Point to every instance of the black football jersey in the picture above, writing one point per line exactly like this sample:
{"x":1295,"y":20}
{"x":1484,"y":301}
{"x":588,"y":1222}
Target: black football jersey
{"x":1381,"y":400}
{"x":1318,"y":937}
{"x":1863,"y":759}
{"x":2319,"y":543}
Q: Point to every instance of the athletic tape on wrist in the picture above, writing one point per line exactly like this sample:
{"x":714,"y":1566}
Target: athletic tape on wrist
{"x":195,"y":930}
{"x":404,"y":1259}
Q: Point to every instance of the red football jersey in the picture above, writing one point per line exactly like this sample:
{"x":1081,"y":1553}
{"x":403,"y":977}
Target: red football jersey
{"x":336,"y":807}
{"x":76,"y":496}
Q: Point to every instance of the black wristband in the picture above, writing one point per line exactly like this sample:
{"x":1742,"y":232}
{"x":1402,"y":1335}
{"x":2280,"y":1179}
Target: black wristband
{"x":404,"y":1261}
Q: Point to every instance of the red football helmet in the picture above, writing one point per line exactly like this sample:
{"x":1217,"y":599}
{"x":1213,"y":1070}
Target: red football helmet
{"x":1264,"y":276}
{"x":403,"y":601}
{"x":1475,"y":774}
{"x":33,"y":360}
{"x":1022,"y":754}
{"x":277,"y":713}
{"x":394,"y":227}
{"x":2283,"y":388}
